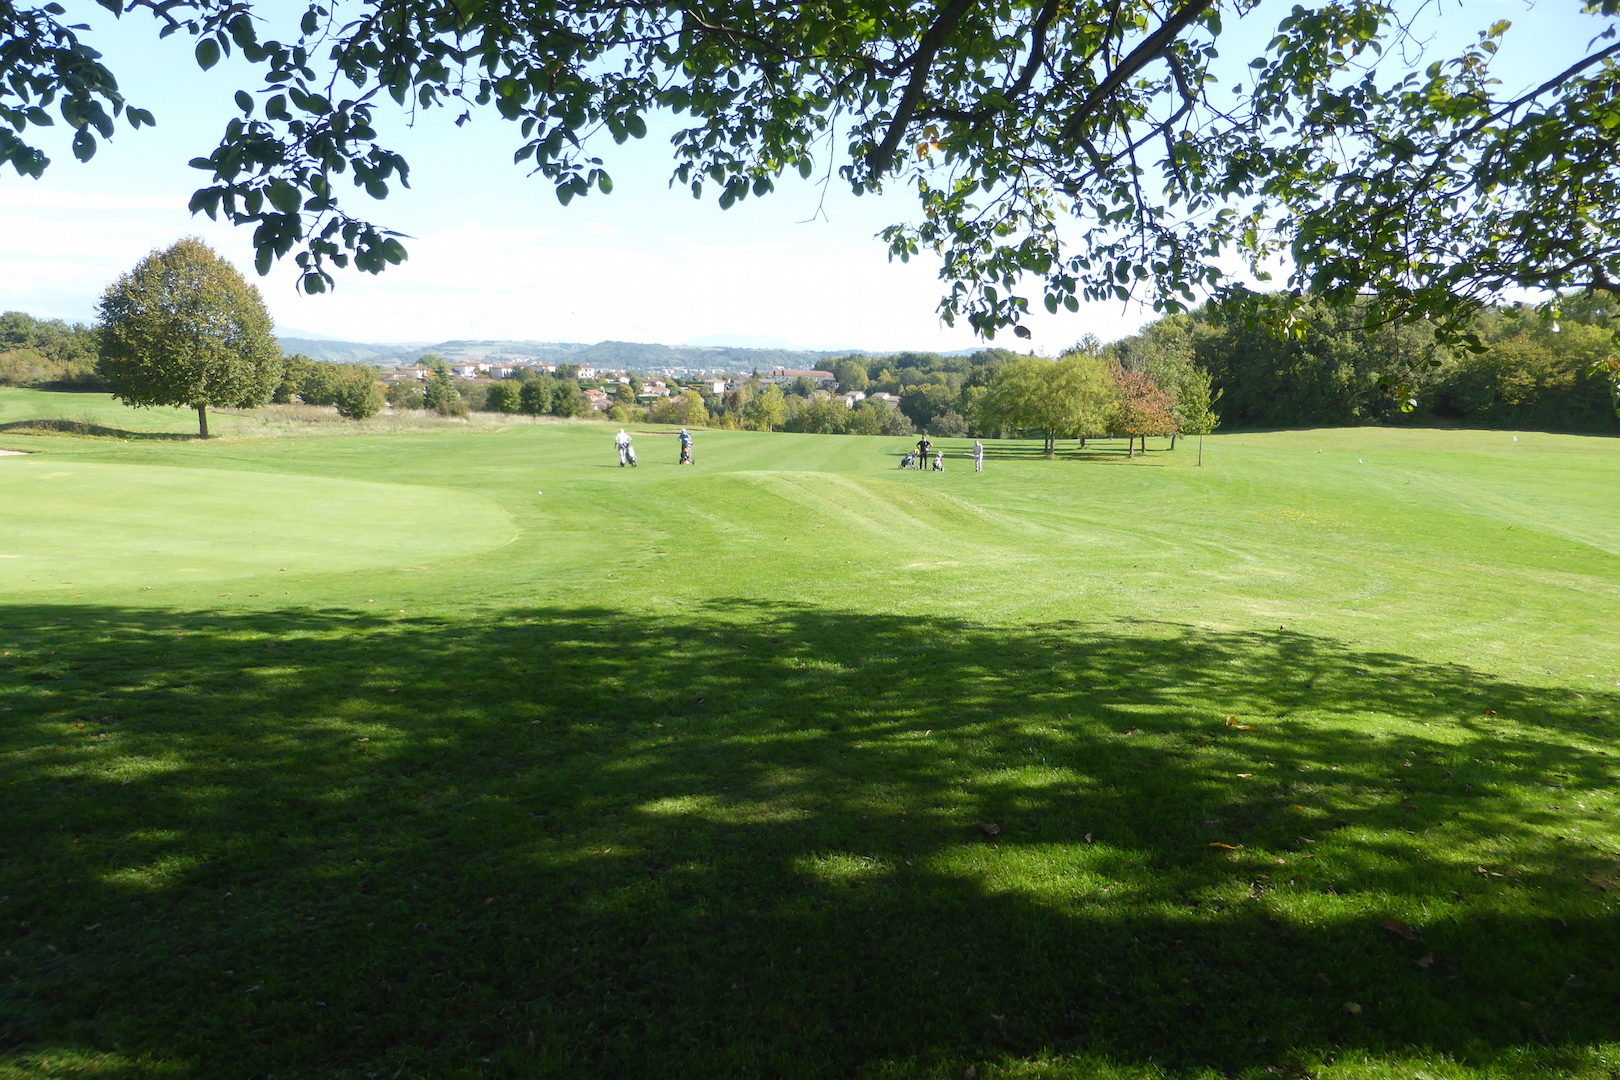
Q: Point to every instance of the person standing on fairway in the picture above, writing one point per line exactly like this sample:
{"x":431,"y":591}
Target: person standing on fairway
{"x":923,"y":446}
{"x":978,"y":456}
{"x":622,"y":441}
{"x":686,"y":447}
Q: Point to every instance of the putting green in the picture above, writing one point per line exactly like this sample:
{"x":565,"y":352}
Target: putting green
{"x":69,"y":525}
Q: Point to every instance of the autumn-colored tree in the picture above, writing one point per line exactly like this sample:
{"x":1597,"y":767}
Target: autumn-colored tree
{"x":183,"y":328}
{"x":1143,"y":407}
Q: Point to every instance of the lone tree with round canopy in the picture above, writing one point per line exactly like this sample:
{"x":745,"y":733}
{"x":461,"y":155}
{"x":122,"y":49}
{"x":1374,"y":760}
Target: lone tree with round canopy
{"x":184,"y":328}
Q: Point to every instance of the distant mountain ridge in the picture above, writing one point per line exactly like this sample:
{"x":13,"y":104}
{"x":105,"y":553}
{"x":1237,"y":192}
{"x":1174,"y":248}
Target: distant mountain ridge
{"x":632,"y":355}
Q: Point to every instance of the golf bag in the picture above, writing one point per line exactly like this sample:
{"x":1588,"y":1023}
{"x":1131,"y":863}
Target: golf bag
{"x":905,"y":462}
{"x":630,"y":455}
{"x":686,"y":454}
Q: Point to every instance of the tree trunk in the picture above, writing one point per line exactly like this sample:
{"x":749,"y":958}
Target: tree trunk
{"x":1130,"y":446}
{"x":1082,"y":442}
{"x":202,"y":419}
{"x":1172,"y":440}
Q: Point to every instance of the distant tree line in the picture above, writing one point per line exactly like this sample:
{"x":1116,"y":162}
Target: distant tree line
{"x":528,"y":392}
{"x":1089,"y":391}
{"x":351,"y":388}
{"x":1524,"y":370}
{"x":47,"y":353}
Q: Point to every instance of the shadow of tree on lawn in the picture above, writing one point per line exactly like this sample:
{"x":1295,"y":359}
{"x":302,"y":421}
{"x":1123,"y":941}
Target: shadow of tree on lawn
{"x":753,"y":840}
{"x":85,"y":427}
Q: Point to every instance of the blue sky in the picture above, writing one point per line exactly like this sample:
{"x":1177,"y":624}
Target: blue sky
{"x":495,"y":256}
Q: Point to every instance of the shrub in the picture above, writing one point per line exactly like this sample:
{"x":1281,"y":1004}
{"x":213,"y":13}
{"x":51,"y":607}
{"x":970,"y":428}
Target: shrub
{"x":357,"y":397}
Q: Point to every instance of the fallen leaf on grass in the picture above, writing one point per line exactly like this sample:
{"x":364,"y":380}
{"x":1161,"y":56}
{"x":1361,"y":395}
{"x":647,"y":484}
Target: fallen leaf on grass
{"x":989,"y":828}
{"x":1227,"y":847}
{"x":1490,"y":712}
{"x":1352,"y":1009}
{"x":1408,"y":804}
{"x":1396,"y":928}
{"x":1231,"y":722}
{"x":1425,"y":962}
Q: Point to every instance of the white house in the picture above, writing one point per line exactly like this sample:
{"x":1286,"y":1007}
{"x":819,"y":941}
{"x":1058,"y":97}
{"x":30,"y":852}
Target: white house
{"x":853,"y":398}
{"x":787,"y":375}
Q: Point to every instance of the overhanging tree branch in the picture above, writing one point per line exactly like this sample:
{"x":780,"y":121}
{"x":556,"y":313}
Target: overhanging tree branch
{"x":1140,"y":57}
{"x":882,"y":156}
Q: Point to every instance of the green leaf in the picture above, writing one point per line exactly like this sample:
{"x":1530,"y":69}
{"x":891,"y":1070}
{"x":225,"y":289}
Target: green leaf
{"x":84,"y":145}
{"x":207,"y":53}
{"x":244,"y":101}
{"x":283,"y":196}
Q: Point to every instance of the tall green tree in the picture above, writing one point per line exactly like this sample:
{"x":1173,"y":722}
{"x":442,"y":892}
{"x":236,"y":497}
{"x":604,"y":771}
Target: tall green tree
{"x":766,"y":410}
{"x":535,"y":396}
{"x":505,"y":396}
{"x":1164,"y":350}
{"x":568,"y":400}
{"x":183,"y":328}
{"x":441,"y":394}
{"x":1069,"y":398}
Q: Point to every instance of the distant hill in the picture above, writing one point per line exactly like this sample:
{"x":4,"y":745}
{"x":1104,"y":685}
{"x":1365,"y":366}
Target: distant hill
{"x":348,"y":352}
{"x":635,"y":356}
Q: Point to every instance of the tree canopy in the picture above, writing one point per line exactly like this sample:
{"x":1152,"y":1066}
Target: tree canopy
{"x":183,"y":328}
{"x":1087,"y":145}
{"x":1072,"y":397}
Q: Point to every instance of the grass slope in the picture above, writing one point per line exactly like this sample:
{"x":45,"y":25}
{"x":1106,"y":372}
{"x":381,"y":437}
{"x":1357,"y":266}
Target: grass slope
{"x":698,"y":774}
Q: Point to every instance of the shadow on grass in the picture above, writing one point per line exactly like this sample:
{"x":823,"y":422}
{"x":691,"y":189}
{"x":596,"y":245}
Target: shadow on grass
{"x":1031,"y":450}
{"x":84,"y":427}
{"x":752,"y":840}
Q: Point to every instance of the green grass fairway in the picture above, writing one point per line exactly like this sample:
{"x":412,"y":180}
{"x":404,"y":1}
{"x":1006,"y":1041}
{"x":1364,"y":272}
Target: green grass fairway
{"x":791,"y":764}
{"x":73,"y":526}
